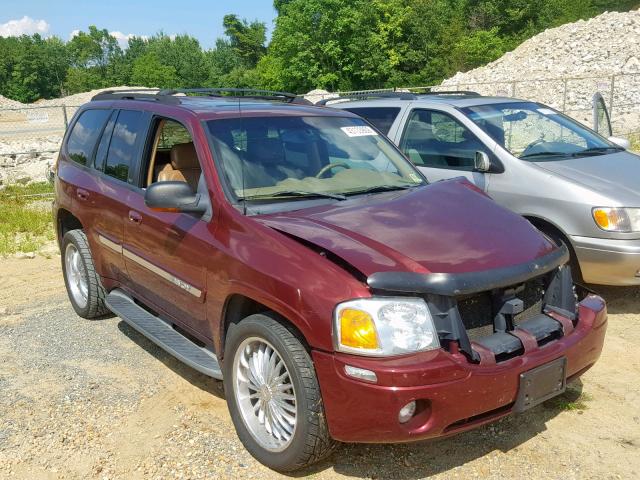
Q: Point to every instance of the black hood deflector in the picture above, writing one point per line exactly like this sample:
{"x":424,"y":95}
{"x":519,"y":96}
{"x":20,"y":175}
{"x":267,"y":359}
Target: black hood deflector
{"x":460,"y":284}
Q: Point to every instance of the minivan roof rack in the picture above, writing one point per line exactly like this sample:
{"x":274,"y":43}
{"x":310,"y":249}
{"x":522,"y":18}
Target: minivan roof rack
{"x":404,"y":94}
{"x":174,"y":95}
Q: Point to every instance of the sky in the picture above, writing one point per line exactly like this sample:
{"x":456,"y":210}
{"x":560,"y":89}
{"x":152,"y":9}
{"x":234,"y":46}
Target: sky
{"x":123,"y":18}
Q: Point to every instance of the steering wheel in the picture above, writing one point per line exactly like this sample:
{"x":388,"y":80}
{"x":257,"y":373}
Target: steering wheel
{"x":534,"y":143}
{"x":326,"y":168}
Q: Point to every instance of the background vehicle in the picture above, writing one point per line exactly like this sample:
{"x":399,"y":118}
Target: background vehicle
{"x":293,"y":252}
{"x":570,"y":182}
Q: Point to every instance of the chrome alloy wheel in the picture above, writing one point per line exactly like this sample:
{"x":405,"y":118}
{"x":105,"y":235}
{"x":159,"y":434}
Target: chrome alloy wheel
{"x":76,"y":275}
{"x":265,"y":394}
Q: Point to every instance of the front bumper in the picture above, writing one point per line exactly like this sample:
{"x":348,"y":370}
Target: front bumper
{"x":608,"y":262}
{"x":454,"y":395}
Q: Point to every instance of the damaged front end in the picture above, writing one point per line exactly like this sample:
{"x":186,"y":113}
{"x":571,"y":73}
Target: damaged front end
{"x":494,"y":315}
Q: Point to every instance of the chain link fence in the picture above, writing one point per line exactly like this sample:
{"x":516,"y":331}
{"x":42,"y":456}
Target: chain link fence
{"x":30,"y":136}
{"x":570,"y":95}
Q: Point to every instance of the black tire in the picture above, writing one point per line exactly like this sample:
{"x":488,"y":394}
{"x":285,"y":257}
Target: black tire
{"x":95,"y":306}
{"x":560,"y":239}
{"x":311,"y":441}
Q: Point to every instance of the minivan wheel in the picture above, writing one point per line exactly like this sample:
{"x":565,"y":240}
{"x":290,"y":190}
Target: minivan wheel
{"x":84,"y":288}
{"x":273,"y":395}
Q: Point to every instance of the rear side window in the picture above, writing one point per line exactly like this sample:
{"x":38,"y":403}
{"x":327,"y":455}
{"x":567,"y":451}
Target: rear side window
{"x":380,"y":117}
{"x":124,"y":146}
{"x":85,"y":133}
{"x":101,"y":152}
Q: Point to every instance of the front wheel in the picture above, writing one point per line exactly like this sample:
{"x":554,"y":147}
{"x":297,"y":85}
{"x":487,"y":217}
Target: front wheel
{"x":273,"y":395}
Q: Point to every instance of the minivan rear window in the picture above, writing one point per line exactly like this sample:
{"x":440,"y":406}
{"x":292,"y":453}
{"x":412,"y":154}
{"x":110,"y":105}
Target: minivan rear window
{"x":123,"y":147}
{"x":85,"y":133}
{"x":380,"y":117}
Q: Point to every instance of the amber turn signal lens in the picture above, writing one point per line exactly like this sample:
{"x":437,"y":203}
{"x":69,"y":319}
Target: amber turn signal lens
{"x":357,"y":329}
{"x":602,"y":218}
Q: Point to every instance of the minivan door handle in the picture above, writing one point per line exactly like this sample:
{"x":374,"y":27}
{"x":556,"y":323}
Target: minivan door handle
{"x":135,"y":217}
{"x":82,"y":194}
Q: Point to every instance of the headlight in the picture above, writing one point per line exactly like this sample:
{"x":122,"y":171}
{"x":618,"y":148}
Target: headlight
{"x":384,"y":326}
{"x":618,"y":219}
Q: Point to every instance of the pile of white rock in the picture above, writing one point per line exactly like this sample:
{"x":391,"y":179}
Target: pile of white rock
{"x":565,"y":66}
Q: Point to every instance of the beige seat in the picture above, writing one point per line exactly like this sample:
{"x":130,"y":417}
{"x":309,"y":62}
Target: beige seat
{"x":183,"y":167}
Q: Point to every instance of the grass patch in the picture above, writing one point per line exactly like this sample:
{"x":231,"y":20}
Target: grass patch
{"x":25,"y":222}
{"x":635,"y":142}
{"x":570,"y":400}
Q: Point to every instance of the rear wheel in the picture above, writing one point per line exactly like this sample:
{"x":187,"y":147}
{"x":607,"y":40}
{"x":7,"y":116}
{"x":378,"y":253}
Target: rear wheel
{"x":84,"y":288}
{"x":273,"y":395}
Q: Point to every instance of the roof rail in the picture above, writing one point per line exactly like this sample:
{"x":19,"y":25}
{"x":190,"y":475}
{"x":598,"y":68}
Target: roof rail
{"x":405,"y":94}
{"x":366,"y":95}
{"x":463,"y":93}
{"x":174,"y":95}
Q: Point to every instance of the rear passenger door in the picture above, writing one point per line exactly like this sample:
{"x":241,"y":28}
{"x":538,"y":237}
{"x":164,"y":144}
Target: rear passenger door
{"x":97,"y":207}
{"x":441,"y":146}
{"x":116,"y":159}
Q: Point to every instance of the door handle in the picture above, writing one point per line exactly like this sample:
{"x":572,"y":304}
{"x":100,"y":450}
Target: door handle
{"x":82,"y":194}
{"x":135,"y":217}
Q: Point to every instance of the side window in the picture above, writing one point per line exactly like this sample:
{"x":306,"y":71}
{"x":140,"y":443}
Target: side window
{"x":103,"y":146}
{"x":173,"y":155}
{"x":82,"y":139}
{"x":380,"y":117}
{"x":436,"y":139}
{"x":123,"y":146}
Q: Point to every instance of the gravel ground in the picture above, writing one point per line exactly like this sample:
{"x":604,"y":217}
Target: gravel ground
{"x":94,"y":399}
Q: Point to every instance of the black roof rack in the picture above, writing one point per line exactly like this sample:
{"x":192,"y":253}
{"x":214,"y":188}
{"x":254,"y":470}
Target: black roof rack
{"x":368,"y":95}
{"x":400,"y":95}
{"x":462,"y":93}
{"x":174,"y":95}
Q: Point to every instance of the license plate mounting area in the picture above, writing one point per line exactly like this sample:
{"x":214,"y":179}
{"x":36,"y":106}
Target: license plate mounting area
{"x":541,"y":384}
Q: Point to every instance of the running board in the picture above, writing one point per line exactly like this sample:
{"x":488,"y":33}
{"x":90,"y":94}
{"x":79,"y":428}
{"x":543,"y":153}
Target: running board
{"x":163,"y":335}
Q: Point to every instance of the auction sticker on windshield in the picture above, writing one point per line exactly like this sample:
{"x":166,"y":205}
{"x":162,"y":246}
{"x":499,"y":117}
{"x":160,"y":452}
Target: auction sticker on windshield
{"x":359,"y":131}
{"x":546,"y":111}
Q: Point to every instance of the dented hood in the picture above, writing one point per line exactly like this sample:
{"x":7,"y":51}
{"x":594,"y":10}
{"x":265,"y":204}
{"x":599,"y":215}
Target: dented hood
{"x":445,"y":227}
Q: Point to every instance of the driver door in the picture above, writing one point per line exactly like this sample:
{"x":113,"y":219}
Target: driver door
{"x":442,"y":147}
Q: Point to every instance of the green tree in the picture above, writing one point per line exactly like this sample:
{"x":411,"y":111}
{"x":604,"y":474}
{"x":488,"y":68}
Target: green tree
{"x":246,"y":39}
{"x":148,"y":71}
{"x":338,"y":44}
{"x":32,"y":67}
{"x":94,"y":58}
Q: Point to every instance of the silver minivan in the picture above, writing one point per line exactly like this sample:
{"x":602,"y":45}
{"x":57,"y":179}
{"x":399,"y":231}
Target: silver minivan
{"x":572,"y":183}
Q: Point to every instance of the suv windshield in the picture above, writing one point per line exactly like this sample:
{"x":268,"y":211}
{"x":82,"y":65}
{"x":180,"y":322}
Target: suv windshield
{"x":531,"y":131}
{"x":286,"y":158}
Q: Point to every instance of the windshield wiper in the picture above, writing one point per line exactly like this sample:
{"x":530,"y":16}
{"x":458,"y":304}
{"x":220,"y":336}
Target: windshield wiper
{"x":596,"y":150}
{"x":545,"y":154}
{"x":382,"y":188}
{"x":296,"y":194}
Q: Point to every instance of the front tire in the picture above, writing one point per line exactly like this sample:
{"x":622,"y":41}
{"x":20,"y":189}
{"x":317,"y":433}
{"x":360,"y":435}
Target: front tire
{"x":84,"y":288}
{"x":273,"y":395}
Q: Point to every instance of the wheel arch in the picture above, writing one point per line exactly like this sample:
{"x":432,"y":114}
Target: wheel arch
{"x":239,"y":306}
{"x":552,"y":229}
{"x":66,"y":221}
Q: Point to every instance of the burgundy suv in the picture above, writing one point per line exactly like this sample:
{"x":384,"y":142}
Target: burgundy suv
{"x":293,"y":252}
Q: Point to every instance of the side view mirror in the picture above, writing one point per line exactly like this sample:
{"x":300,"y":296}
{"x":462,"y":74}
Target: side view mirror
{"x":481,"y":162}
{"x":621,"y":142}
{"x":173,"y":197}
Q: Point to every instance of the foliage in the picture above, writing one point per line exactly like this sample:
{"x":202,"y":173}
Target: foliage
{"x":333,"y":44}
{"x":25,"y":222}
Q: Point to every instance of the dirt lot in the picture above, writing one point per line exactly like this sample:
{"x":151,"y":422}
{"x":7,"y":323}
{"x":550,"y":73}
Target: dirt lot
{"x":94,"y":399}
